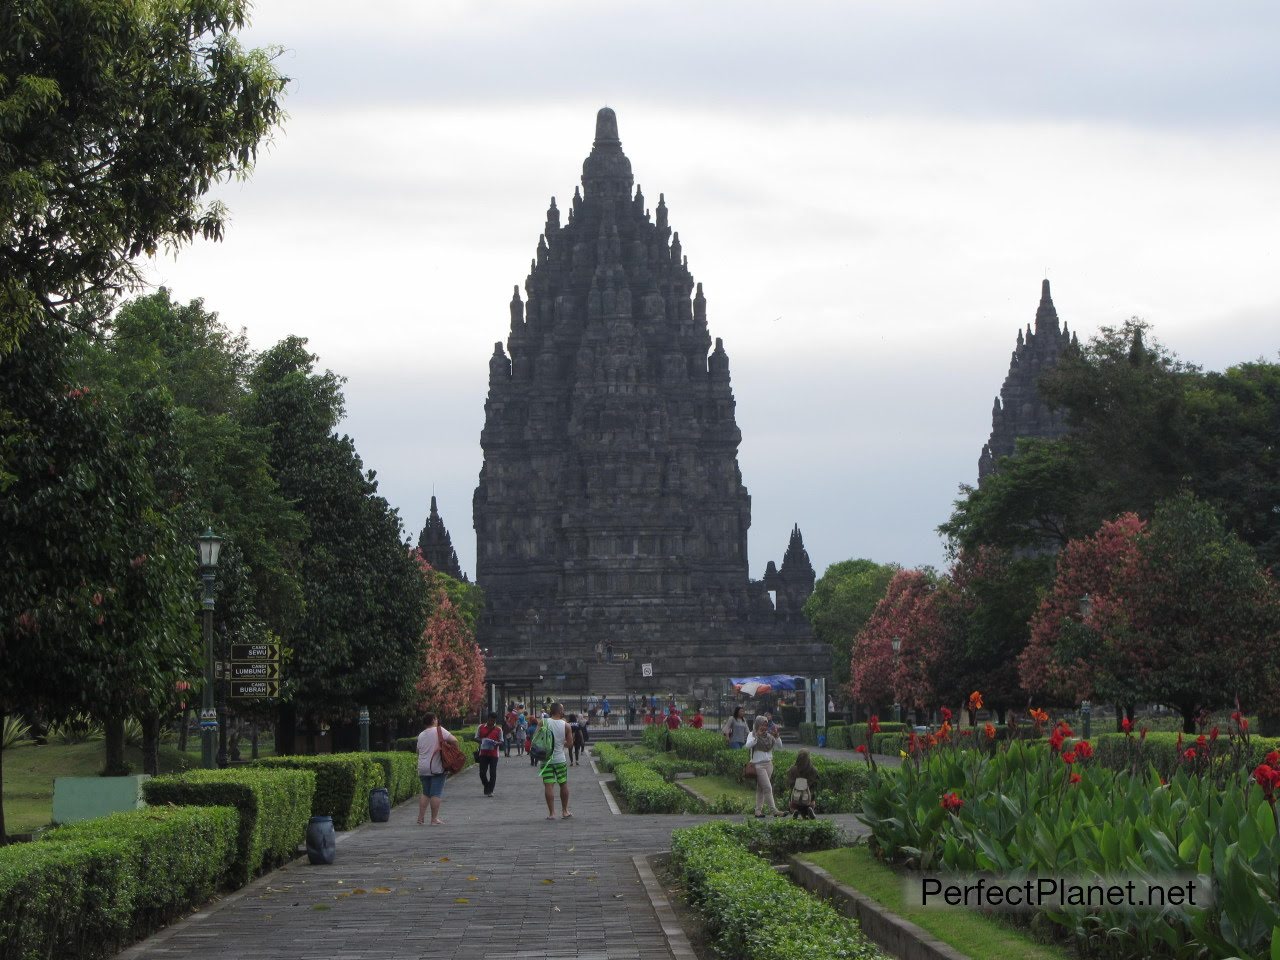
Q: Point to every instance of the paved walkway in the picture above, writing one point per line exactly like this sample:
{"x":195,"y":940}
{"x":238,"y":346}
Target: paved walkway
{"x":496,"y":880}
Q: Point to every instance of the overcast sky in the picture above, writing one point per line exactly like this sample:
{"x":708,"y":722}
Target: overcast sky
{"x":870,"y":193}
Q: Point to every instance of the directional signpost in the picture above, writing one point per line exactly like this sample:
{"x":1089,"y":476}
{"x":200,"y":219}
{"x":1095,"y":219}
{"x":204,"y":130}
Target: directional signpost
{"x":255,"y":670}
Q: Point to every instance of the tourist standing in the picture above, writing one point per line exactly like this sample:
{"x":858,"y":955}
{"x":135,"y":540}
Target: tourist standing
{"x":531,"y":730}
{"x":761,"y":743}
{"x":431,"y":767}
{"x":697,"y":720}
{"x":605,"y":708}
{"x":555,"y":771}
{"x":673,"y":718}
{"x":490,"y":735}
{"x":735,"y":729}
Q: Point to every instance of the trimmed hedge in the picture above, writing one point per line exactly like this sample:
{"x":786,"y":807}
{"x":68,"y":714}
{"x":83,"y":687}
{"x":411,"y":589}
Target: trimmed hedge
{"x":752,"y":912}
{"x":399,"y":774}
{"x":808,"y":734}
{"x":273,"y":808}
{"x":406,"y":743}
{"x":1160,"y":750}
{"x":838,"y":736}
{"x":87,"y":889}
{"x":609,"y":757}
{"x":645,"y":791}
{"x":667,"y":766}
{"x":343,"y":782}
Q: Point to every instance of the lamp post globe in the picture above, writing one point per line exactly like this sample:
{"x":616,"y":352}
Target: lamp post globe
{"x":210,"y":548}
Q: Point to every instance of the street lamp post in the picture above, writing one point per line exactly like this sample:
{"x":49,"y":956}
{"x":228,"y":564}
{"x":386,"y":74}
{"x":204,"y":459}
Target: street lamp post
{"x":210,"y":548}
{"x":223,"y":687}
{"x":896,"y":643}
{"x":364,"y":729}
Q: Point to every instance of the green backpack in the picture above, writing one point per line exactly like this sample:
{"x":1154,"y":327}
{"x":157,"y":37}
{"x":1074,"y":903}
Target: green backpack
{"x":544,"y":742}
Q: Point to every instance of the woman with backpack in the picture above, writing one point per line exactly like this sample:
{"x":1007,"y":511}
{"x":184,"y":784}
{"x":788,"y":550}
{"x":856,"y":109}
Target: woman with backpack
{"x":431,"y":769}
{"x":802,"y":779}
{"x":761,"y":743}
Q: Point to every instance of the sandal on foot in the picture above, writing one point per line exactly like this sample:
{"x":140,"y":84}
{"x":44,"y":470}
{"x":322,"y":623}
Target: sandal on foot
{"x":566,"y":816}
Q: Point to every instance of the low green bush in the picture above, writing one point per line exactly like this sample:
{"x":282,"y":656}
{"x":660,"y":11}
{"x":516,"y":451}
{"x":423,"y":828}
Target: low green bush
{"x":273,"y":808}
{"x":645,"y":791}
{"x":399,"y":774}
{"x":697,"y":744}
{"x":668,"y":765}
{"x":751,"y":911}
{"x":655,"y":737}
{"x":608,"y":756}
{"x":87,"y":889}
{"x":343,"y":782}
{"x":406,"y":743}
{"x":838,"y":736}
{"x":887,"y":744}
{"x":808,"y":734}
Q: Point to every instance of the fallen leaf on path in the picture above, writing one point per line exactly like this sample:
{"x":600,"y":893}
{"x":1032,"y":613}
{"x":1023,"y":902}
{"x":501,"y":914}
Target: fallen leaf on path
{"x":359,"y":890}
{"x":473,"y":878}
{"x":461,"y":900}
{"x":381,"y":889}
{"x":320,"y":906}
{"x":444,"y":859}
{"x":548,"y":880}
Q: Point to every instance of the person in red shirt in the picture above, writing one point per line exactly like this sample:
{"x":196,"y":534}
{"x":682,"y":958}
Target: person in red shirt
{"x":490,"y":737}
{"x":673,"y":719}
{"x":696,"y":722}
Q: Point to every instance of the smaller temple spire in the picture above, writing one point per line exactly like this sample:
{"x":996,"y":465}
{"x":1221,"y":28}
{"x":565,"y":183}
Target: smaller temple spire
{"x":517,"y":309}
{"x":700,"y":307}
{"x":437,"y":546}
{"x":1046,"y":313}
{"x":662,"y":211}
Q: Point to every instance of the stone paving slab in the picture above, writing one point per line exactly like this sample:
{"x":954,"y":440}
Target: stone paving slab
{"x":496,"y":880}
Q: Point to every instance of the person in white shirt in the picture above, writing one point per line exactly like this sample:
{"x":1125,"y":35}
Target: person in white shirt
{"x":761,"y":744}
{"x":431,"y":768}
{"x":555,"y":771}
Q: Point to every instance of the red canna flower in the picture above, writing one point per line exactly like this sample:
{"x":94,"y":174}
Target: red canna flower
{"x":1055,"y":741}
{"x":1074,"y":778}
{"x":1190,"y":754}
{"x":1273,"y":758}
{"x":1039,"y":716}
{"x":874,"y":724}
{"x":990,"y":731}
{"x":1126,"y":725}
{"x":1202,"y":742}
{"x":1268,"y":778}
{"x":861,"y":748}
{"x":951,"y":801}
{"x":946,"y":714}
{"x":975,"y":701}
{"x":1084,"y":749}
{"x":1213,"y":733}
{"x":1069,"y":757}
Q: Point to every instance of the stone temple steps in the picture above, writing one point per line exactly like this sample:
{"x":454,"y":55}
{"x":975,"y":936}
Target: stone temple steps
{"x":609,"y":680}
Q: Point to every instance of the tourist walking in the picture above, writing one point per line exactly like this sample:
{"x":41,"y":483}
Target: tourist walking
{"x":531,"y":730}
{"x":431,"y":767}
{"x":761,"y":743}
{"x":735,"y":729}
{"x":491,"y":737}
{"x":802,"y":781}
{"x":555,"y":771}
{"x":580,"y":737}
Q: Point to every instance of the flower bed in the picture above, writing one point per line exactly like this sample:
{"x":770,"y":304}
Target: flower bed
{"x":752,"y":912}
{"x":1053,"y":809}
{"x":85,"y":890}
{"x":273,"y":808}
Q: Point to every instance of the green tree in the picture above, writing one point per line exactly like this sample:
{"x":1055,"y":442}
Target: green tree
{"x":116,"y":118}
{"x":96,"y":606}
{"x":360,"y":638}
{"x":842,"y":602}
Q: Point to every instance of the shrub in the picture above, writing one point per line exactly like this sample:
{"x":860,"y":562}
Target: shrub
{"x":609,"y":756}
{"x":343,"y":782}
{"x":273,"y":808}
{"x":79,"y":728}
{"x":86,"y":889}
{"x":751,"y":911}
{"x":886,"y":744}
{"x":655,"y":737}
{"x":808,"y":734}
{"x":667,"y":766}
{"x":399,"y":774}
{"x":697,"y":744}
{"x":838,"y":736}
{"x":646,"y":792}
{"x":16,"y":732}
{"x":406,"y":743}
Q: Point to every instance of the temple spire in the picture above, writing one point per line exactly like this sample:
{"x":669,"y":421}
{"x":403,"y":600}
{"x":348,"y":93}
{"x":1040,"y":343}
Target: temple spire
{"x":1046,"y":313}
{"x":437,"y":546}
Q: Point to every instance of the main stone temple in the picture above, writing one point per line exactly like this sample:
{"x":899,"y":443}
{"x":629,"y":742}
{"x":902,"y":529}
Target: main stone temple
{"x":611,"y":518}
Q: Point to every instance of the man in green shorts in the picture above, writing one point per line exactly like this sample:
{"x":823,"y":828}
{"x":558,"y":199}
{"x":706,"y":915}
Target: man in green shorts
{"x":556,"y":769}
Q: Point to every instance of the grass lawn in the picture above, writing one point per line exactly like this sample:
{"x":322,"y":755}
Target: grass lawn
{"x":29,"y":773}
{"x":712,"y":788}
{"x":968,"y":931}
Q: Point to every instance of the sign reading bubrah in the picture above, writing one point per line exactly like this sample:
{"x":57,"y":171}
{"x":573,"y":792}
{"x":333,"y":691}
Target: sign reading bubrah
{"x":255,"y":670}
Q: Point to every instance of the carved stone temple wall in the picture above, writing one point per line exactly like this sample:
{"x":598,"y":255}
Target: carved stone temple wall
{"x":610,"y":507}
